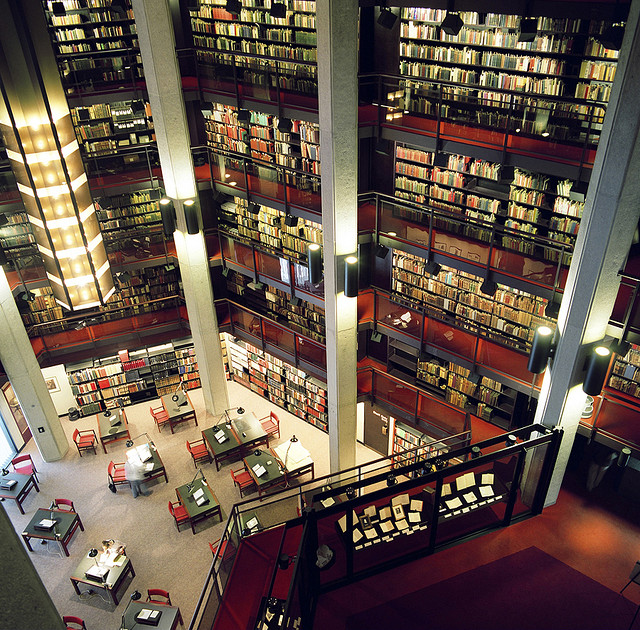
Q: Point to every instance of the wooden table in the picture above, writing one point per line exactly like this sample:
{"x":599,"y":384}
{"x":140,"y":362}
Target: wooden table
{"x":248,"y":430}
{"x":22,"y":487}
{"x":112,"y":428}
{"x":113,"y":579}
{"x":199,"y":512}
{"x":295,"y":459}
{"x":229,"y":448}
{"x":178,"y":413}
{"x":66,"y":525}
{"x":169,"y":616}
{"x":273,"y":476}
{"x":158,"y":469}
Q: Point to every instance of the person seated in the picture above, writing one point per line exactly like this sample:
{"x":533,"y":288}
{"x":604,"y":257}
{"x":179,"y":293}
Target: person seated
{"x":113,"y":548}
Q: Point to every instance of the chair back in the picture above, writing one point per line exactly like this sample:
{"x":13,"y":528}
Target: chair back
{"x":154,"y":593}
{"x":22,"y":458}
{"x":275,"y":419}
{"x":79,"y":623}
{"x":110,"y":469}
{"x":76,"y":436}
{"x":66,"y":502}
{"x":173,"y":513}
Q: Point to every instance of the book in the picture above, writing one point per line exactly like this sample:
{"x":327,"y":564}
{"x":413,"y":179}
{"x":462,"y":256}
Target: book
{"x":416,"y":505}
{"x":401,"y":499}
{"x":387,"y":526}
{"x":398,"y":512}
{"x":385,"y":513}
{"x":486,"y":479}
{"x":486,"y":491}
{"x":220,"y":436}
{"x":414,"y":517}
{"x":470,"y":497}
{"x":259,"y":469}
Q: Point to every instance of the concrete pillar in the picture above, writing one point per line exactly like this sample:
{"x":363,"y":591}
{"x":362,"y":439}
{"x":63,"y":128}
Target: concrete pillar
{"x":23,"y":370}
{"x":337,"y":27}
{"x":24,"y":601}
{"x":609,"y":221}
{"x":157,"y":47}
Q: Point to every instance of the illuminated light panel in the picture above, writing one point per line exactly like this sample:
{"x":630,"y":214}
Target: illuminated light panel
{"x":95,"y":242}
{"x":61,"y":224}
{"x":72,"y":252}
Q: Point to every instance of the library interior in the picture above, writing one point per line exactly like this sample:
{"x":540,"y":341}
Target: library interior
{"x":376,"y":261}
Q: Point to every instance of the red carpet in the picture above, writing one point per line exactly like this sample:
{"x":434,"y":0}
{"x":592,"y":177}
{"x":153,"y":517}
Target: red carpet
{"x":526,"y":590}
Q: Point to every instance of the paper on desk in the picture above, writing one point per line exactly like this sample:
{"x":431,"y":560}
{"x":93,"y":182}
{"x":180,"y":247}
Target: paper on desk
{"x":220,"y":436}
{"x":199,"y":493}
{"x":148,"y":467}
{"x":487,"y":479}
{"x":486,"y":491}
{"x":259,"y":469}
{"x":251,"y":523}
{"x":454,"y":503}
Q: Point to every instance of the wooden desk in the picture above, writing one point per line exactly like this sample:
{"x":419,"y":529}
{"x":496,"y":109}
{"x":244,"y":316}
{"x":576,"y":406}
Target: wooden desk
{"x":22,"y":487}
{"x":66,"y":525}
{"x":199,"y":512}
{"x":249,"y":431}
{"x":114,"y":578}
{"x":295,"y":459}
{"x":115,"y":431}
{"x":178,"y":414}
{"x":158,"y":469}
{"x":169,"y":617}
{"x":274,"y":475}
{"x":230,"y":448}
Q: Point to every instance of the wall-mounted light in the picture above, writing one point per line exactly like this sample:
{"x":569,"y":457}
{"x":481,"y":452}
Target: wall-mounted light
{"x":291,"y":221}
{"x":314,"y":262}
{"x":191,"y":216}
{"x":278,"y":10}
{"x":351,"y":276}
{"x":234,"y":6}
{"x":387,"y":18}
{"x":597,"y":368}
{"x":528,"y":29}
{"x":452,"y":23}
{"x":432,"y":268}
{"x":623,"y":457}
{"x":381,"y":251}
{"x":168,"y":215}
{"x":542,"y":349}
{"x":284,"y":125}
{"x":488,"y":287}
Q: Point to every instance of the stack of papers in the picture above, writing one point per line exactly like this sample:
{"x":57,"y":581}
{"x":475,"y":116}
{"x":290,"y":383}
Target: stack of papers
{"x":259,"y":469}
{"x":465,"y":481}
{"x":148,"y":616}
{"x":220,"y":436}
{"x":46,"y":523}
{"x":251,"y":523}
{"x":200,"y":497}
{"x":7,"y":484}
{"x":139,"y":454}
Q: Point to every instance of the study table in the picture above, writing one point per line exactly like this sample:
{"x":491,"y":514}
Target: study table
{"x":247,"y":429}
{"x":265,"y":469}
{"x":207,"y":507}
{"x":119,"y":567}
{"x":147,"y":455}
{"x":295,"y":459}
{"x":227,"y":447}
{"x":112,"y":427}
{"x":178,"y":412}
{"x":168,"y":619}
{"x":19,"y":491}
{"x":65,"y":525}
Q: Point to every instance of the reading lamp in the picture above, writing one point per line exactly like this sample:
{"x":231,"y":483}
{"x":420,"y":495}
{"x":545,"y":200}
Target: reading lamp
{"x":93,"y":553}
{"x":190,"y":484}
{"x":597,"y":368}
{"x":285,"y":561}
{"x":130,"y":441}
{"x":381,"y":250}
{"x":135,"y":596}
{"x":623,"y":457}
{"x":314,"y":262}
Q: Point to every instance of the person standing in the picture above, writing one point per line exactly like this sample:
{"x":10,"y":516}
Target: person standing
{"x":134,"y":472}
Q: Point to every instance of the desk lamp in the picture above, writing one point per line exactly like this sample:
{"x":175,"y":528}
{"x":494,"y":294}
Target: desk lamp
{"x":5,"y":472}
{"x":135,"y":596}
{"x":190,"y":484}
{"x":239,"y":413}
{"x":93,"y":553}
{"x":130,"y":441}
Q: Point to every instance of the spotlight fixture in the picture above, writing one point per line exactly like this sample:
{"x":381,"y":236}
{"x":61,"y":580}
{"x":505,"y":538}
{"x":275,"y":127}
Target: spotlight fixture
{"x":623,"y":457}
{"x":351,"y":276}
{"x":432,"y":268}
{"x":452,"y":23}
{"x":138,"y":107}
{"x":488,"y":287}
{"x":234,"y":6}
{"x":552,"y":309}
{"x":124,"y":277}
{"x":253,"y":208}
{"x":225,"y":272}
{"x":441,"y":160}
{"x":135,"y":596}
{"x":475,"y":452}
{"x":611,"y":38}
{"x":293,"y":439}
{"x":381,"y":250}
{"x":314,"y":263}
{"x":376,"y":337}
{"x":387,"y":18}
{"x":620,"y":347}
{"x":168,"y":215}
{"x":206,"y":108}
{"x":510,"y":440}
{"x":391,"y":480}
{"x":284,"y":125}
{"x":254,"y":285}
{"x":597,"y":368}
{"x":528,"y":29}
{"x":243,"y":116}
{"x":291,"y":221}
{"x":57,"y":8}
{"x":278,"y":10}
{"x":507,"y":174}
{"x":191,"y":216}
{"x":474,"y":378}
{"x":383,"y":147}
{"x":542,"y":350}
{"x":28,"y":296}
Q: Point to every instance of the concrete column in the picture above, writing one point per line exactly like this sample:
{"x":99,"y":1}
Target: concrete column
{"x":157,"y":47}
{"x":337,"y":27}
{"x":24,"y":601}
{"x":610,"y":218}
{"x":23,"y":370}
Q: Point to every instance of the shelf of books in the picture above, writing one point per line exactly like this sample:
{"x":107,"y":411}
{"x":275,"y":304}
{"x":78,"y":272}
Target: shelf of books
{"x":95,"y":42}
{"x":531,"y":203}
{"x":625,"y":373}
{"x":286,"y":386}
{"x":104,"y":128}
{"x":43,"y":307}
{"x":220,"y":39}
{"x":266,"y":226}
{"x":16,"y":235}
{"x":260,"y":138}
{"x":510,"y":316}
{"x":564,"y":59}
{"x":139,"y":286}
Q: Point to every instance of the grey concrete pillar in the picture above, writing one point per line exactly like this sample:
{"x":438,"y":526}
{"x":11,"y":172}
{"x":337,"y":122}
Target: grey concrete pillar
{"x":157,"y":47}
{"x":23,"y":370}
{"x":337,"y":26}
{"x":609,"y":221}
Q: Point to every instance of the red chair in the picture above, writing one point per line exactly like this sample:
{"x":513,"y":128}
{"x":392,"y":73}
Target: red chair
{"x":73,"y":623}
{"x":116,"y":473}
{"x":85,"y":440}
{"x":64,"y":504}
{"x":226,"y":549}
{"x":180,"y":515}
{"x":242,"y":479}
{"x":158,"y":596}
{"x":271,"y":425}
{"x":160,"y":416}
{"x":199,"y":452}
{"x":23,"y":465}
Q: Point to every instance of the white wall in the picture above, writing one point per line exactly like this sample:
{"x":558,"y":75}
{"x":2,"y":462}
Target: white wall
{"x":64,"y":398}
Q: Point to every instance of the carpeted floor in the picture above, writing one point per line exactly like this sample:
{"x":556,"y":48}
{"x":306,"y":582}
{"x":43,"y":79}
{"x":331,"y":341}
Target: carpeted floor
{"x":161,"y":556}
{"x":527,"y":590}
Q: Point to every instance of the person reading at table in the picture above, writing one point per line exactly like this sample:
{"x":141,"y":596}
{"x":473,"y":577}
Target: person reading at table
{"x":113,"y":546}
{"x":134,"y":472}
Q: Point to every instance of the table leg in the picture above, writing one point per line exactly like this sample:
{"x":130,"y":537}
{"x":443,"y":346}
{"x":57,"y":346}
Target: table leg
{"x":35,"y":484}
{"x":80,"y":523}
{"x":64,"y":547}
{"x":215,"y":459}
{"x":26,"y":537}
{"x":75,"y":586}
{"x":19,"y":505}
{"x":166,"y":479}
{"x":104,"y":446}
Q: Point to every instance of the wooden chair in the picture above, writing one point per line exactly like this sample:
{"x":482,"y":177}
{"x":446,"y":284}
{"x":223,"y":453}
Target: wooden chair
{"x":85,"y":441}
{"x":159,"y":596}
{"x":243,"y":479}
{"x":160,"y":416}
{"x":23,"y":465}
{"x":199,"y":452}
{"x":116,"y":473}
{"x":64,"y":504}
{"x":180,"y":514}
{"x":226,"y":549}
{"x":73,"y":623}
{"x":271,"y":425}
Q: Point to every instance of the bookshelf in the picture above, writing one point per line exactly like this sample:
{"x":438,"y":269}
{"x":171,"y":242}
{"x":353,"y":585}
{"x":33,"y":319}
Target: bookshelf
{"x":260,"y":139}
{"x":16,"y":237}
{"x":510,"y":316}
{"x":625,"y":373}
{"x":96,"y":44}
{"x":220,"y":39}
{"x":44,"y":308}
{"x":532,"y":203}
{"x":139,"y":286}
{"x":281,"y":383}
{"x":564,"y":60}
{"x":104,"y":128}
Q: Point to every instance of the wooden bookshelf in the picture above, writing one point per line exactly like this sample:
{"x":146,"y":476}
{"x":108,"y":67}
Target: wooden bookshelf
{"x":625,"y":373}
{"x":140,"y":286}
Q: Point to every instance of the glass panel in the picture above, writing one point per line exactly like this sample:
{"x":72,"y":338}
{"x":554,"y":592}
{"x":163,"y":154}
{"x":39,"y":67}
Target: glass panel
{"x":394,"y":393}
{"x":440,"y":418}
{"x":620,"y":420}
{"x":311,"y":352}
{"x":265,"y":180}
{"x":400,"y":318}
{"x":272,"y":266}
{"x":246,"y":321}
{"x":301,"y":281}
{"x":451,"y":339}
{"x":278,"y":336}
